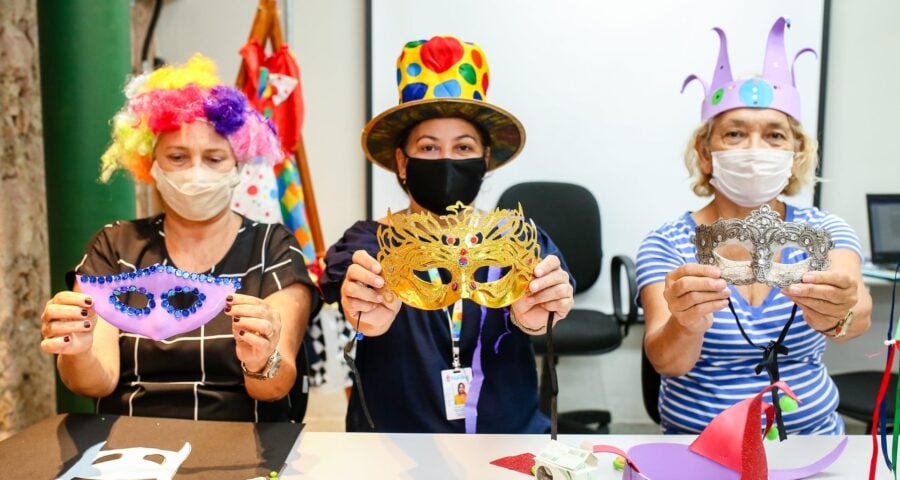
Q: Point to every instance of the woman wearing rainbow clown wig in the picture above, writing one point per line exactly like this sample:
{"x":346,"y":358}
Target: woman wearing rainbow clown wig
{"x":749,"y":149}
{"x":439,"y":142}
{"x":184,"y":131}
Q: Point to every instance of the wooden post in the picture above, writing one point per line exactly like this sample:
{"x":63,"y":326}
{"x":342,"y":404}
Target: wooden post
{"x":267,"y":26}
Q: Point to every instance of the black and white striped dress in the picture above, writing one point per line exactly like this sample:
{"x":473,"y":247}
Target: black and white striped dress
{"x":197,"y":374}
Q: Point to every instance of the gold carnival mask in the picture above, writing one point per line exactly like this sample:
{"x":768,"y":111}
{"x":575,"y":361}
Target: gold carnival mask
{"x":417,"y":247}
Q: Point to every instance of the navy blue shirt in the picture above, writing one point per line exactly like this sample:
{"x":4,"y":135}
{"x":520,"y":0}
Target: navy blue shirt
{"x":400,"y":370}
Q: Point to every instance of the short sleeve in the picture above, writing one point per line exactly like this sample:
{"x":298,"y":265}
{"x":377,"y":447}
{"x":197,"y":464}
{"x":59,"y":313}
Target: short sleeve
{"x":100,"y":258}
{"x":285,"y":265}
{"x":842,"y":234}
{"x":657,"y":256}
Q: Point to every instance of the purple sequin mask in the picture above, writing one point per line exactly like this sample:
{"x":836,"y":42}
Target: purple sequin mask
{"x":186,"y":300}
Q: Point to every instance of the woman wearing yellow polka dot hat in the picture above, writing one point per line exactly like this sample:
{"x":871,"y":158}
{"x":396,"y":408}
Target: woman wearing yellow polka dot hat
{"x":440,"y":141}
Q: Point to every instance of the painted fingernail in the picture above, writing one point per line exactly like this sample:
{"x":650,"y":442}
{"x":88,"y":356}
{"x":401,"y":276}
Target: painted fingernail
{"x":67,"y":339}
{"x":229,"y":298}
{"x":83,"y":312}
{"x":241,"y":333}
{"x":237,"y":319}
{"x":89,"y":301}
{"x":87,"y":324}
{"x":227,"y":308}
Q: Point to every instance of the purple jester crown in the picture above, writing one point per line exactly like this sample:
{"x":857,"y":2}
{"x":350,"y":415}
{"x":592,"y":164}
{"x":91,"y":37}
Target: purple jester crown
{"x":775,"y":89}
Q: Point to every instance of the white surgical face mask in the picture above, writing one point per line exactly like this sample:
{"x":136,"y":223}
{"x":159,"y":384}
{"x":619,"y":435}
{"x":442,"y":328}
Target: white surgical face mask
{"x":751,"y":177}
{"x":197,"y":193}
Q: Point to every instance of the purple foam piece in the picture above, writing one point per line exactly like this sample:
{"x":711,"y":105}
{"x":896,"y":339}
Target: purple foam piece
{"x":156,"y":282}
{"x":673,"y":461}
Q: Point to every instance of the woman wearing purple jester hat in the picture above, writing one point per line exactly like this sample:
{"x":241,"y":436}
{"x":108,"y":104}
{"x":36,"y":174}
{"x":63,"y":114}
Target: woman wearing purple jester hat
{"x":749,"y":149}
{"x":175,"y":353}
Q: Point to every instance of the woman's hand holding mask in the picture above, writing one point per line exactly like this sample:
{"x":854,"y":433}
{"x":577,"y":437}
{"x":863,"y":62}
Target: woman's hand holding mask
{"x":363,"y":293}
{"x":549,"y":291}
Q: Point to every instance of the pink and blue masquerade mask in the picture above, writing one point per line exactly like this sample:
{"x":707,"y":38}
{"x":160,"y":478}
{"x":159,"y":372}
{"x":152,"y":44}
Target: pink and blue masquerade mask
{"x":168,"y":318}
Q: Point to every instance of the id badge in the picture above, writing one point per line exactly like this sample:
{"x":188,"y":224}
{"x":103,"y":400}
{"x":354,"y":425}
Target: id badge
{"x":456,"y":391}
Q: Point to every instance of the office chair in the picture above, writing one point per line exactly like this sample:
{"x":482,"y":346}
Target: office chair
{"x":571,"y":217}
{"x":858,"y":391}
{"x":650,"y":382}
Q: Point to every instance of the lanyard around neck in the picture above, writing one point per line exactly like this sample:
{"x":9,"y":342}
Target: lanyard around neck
{"x":454,"y":321}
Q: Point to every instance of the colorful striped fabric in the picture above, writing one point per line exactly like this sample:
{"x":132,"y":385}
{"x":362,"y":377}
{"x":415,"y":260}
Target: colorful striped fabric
{"x":724,"y":373}
{"x":293,"y":208}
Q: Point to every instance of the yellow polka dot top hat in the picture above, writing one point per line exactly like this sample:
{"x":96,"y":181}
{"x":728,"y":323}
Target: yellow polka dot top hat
{"x":443,"y":78}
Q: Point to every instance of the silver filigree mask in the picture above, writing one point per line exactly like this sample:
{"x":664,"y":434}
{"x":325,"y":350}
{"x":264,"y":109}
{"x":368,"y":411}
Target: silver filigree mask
{"x":763,"y":234}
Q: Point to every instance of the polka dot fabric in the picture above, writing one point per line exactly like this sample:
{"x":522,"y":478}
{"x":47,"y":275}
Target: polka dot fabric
{"x":443,"y":77}
{"x":443,"y":67}
{"x":256,"y":196}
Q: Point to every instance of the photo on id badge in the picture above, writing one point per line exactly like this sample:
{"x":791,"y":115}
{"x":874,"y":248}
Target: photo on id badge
{"x":456,"y":391}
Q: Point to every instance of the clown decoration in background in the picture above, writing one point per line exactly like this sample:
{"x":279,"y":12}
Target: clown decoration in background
{"x":272,"y":84}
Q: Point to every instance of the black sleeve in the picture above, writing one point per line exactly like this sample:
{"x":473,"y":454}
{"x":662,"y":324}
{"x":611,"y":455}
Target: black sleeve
{"x":361,"y":236}
{"x":549,"y":248}
{"x":99,"y":256}
{"x":285,"y":265}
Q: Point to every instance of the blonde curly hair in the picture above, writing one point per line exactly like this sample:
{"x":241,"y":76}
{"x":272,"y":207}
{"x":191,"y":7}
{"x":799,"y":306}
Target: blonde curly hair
{"x":803,"y":172}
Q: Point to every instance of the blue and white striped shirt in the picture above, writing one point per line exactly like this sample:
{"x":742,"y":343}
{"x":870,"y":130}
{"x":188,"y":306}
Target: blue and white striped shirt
{"x":724,"y":374}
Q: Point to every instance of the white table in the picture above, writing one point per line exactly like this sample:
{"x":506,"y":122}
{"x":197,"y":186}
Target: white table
{"x":361,"y":456}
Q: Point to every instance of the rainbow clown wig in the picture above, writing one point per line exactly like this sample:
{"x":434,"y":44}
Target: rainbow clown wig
{"x":172,"y":96}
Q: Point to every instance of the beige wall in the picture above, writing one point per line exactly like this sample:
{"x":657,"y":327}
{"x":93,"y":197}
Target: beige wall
{"x":329,"y":41}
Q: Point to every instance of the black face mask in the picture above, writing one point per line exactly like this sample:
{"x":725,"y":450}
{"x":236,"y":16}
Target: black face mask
{"x":438,"y":184}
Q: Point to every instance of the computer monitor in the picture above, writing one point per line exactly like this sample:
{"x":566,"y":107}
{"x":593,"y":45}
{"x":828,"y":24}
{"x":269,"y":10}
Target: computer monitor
{"x":884,"y":227}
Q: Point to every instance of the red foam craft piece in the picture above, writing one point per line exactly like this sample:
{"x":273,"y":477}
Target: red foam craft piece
{"x":747,"y":457}
{"x":517,"y":463}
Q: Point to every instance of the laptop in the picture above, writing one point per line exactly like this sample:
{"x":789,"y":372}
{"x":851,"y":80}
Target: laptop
{"x":884,"y":229}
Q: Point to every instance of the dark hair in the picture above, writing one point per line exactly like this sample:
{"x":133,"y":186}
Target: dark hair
{"x":403,"y":137}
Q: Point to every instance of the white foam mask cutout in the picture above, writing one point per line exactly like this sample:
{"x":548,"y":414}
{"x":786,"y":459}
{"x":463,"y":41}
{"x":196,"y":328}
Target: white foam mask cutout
{"x":130,"y":464}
